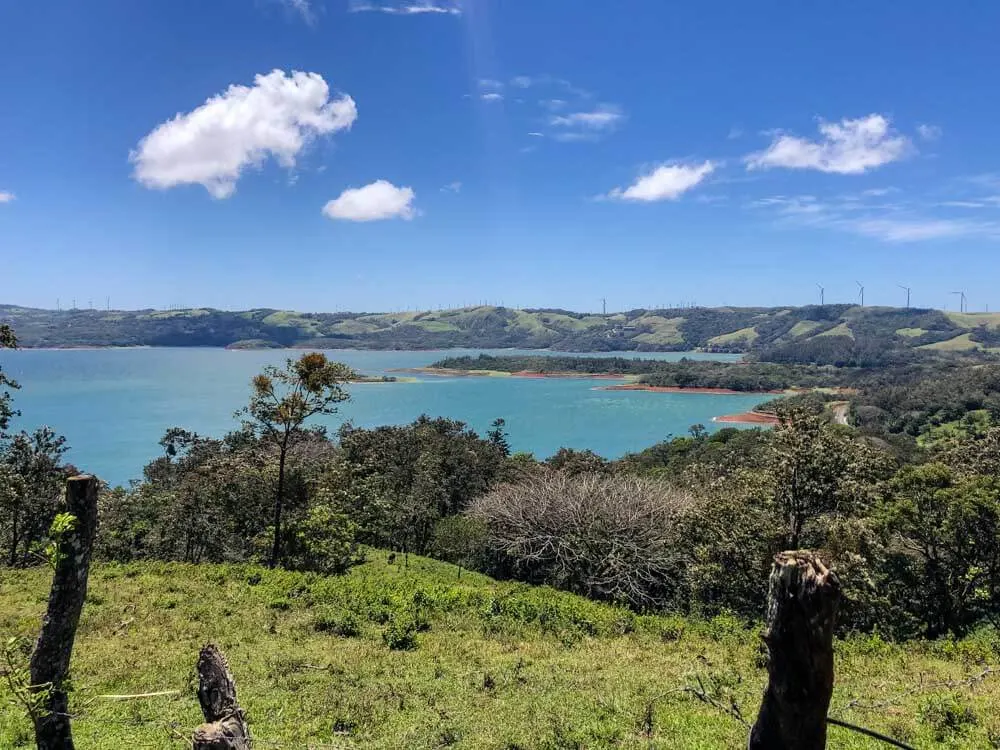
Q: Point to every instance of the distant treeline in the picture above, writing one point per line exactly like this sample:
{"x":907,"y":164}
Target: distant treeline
{"x":687,"y":373}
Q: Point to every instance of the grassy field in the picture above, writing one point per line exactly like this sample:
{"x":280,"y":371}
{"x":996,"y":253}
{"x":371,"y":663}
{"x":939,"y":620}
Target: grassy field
{"x":961,"y":343}
{"x":412,"y":657}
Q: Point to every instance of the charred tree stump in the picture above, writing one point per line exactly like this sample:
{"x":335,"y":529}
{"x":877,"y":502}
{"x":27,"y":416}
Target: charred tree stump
{"x":226,"y":724}
{"x":801,"y":608}
{"x":50,"y":659}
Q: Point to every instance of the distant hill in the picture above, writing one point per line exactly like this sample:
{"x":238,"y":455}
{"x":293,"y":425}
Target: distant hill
{"x":812,"y":333}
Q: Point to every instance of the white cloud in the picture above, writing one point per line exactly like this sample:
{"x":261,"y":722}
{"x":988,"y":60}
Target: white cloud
{"x":417,"y":7}
{"x":522,"y":82}
{"x":895,"y":223}
{"x":303,"y":8}
{"x":375,"y":202}
{"x":490,"y":84}
{"x":847,"y":147}
{"x":914,"y":230}
{"x":929,"y":132}
{"x":6,"y":197}
{"x":536,"y":134}
{"x":211,"y":145}
{"x":452,"y":187}
{"x":586,"y":125}
{"x":666,"y":182}
{"x":491,"y":96}
{"x":734,"y":133}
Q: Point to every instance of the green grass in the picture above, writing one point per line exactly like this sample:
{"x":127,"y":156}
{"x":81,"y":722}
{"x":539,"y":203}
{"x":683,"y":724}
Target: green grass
{"x":744,"y":335}
{"x":974,"y":320}
{"x":493,"y":665}
{"x":803,"y":327}
{"x":840,"y":330}
{"x":961,"y":343}
{"x":911,"y":333}
{"x":665,"y":330}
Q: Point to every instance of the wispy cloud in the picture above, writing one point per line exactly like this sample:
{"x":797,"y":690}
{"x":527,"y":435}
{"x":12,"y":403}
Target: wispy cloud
{"x":491,"y":96}
{"x":302,"y":8}
{"x":665,"y":182}
{"x":452,"y":187}
{"x":846,"y":147}
{"x":587,"y":125}
{"x":893,"y":222}
{"x":413,"y":8}
{"x":928,"y":132}
{"x":6,"y":197}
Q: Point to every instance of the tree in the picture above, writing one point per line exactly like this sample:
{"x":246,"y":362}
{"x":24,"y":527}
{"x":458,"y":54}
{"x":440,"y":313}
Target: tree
{"x":7,"y":341}
{"x":498,"y":436}
{"x":818,"y":469}
{"x":281,"y":403}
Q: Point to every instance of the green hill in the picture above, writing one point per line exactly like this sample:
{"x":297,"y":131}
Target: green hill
{"x":825,"y":333}
{"x":414,"y":657}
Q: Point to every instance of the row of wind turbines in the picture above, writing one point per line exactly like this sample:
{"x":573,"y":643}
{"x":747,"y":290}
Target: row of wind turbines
{"x":963,"y":305}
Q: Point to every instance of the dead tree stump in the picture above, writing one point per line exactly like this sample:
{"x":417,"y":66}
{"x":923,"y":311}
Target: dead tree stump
{"x":50,"y":660}
{"x":226,"y":724}
{"x":801,"y":608}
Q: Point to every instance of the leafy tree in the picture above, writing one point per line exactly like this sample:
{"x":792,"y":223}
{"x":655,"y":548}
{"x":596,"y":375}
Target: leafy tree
{"x":32,"y":474}
{"x":945,"y":562}
{"x":281,"y":403}
{"x":818,"y":469}
{"x":7,"y":341}
{"x":399,"y":481}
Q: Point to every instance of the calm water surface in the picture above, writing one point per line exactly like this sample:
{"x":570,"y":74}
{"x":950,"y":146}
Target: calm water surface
{"x":113,"y":405}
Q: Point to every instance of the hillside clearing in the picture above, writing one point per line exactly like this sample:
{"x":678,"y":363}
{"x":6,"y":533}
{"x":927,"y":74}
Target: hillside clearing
{"x":498,"y":666}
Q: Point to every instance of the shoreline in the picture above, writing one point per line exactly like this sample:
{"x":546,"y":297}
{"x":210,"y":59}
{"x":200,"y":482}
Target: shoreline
{"x":682,"y":389}
{"x":445,"y":372}
{"x":748,"y":417}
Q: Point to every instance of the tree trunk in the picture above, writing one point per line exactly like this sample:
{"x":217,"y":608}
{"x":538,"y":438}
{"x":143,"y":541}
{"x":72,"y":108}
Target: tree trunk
{"x":279,"y":501}
{"x":226,"y":725}
{"x":802,"y":605}
{"x":50,"y":659}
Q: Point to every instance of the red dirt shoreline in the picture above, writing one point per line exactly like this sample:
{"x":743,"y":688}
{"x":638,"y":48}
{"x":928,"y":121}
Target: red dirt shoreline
{"x":450,"y":373}
{"x":749,"y":417}
{"x":680,"y":389}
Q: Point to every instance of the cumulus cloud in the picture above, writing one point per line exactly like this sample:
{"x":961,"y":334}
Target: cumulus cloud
{"x":415,"y":8}
{"x":491,"y":96}
{"x":6,"y":197}
{"x":666,"y":182}
{"x":845,"y":147}
{"x":211,"y":145}
{"x":375,"y":202}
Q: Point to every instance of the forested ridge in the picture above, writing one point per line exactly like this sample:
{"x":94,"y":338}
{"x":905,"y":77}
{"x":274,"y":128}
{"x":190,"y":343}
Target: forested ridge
{"x":829,"y":334}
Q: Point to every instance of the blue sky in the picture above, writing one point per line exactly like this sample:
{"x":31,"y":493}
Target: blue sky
{"x":398,"y":154}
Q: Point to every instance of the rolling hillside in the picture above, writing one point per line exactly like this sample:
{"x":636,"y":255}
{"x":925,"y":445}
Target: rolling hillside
{"x":823,"y":332}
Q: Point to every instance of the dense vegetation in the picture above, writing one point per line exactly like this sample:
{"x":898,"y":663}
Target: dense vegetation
{"x":905,"y":502}
{"x":830,"y":334}
{"x":688,"y":373}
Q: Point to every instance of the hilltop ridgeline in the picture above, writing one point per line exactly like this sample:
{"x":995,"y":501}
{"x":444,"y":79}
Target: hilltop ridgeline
{"x":829,"y":333}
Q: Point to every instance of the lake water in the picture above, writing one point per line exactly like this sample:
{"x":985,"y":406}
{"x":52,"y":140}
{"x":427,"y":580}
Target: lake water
{"x":113,"y":405}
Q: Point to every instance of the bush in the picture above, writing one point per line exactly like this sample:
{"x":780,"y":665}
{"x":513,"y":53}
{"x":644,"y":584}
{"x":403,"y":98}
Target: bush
{"x":612,"y":538}
{"x":401,"y":633}
{"x":343,"y":624}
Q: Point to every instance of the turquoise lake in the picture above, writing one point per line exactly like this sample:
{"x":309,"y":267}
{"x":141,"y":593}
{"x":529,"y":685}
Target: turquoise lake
{"x":113,"y":405}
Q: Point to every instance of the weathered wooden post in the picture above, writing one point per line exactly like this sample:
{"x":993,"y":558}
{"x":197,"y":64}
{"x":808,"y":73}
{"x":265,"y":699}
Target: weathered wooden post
{"x":226,"y":727}
{"x":801,"y":608}
{"x":50,"y":659}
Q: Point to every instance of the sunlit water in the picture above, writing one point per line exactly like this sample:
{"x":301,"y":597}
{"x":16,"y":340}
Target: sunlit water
{"x":113,"y":405}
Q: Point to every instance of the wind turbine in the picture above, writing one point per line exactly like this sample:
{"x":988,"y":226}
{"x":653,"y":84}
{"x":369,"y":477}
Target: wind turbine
{"x":822,"y":294}
{"x":862,"y":293}
{"x":962,"y":306}
{"x":907,"y":294}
